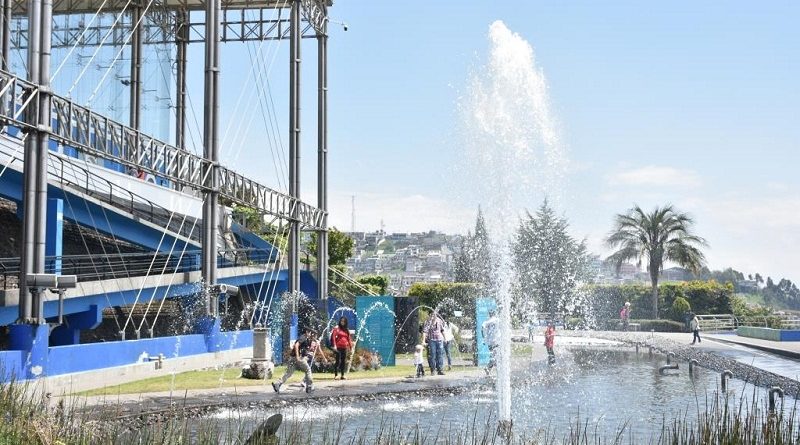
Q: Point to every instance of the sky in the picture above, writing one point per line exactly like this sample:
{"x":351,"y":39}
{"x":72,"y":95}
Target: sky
{"x":690,"y":103}
{"x":683,"y":102}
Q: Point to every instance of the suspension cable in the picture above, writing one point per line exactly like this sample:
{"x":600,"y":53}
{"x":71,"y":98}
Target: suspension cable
{"x":119,"y":53}
{"x":99,"y":47}
{"x":278,"y":232}
{"x":77,"y":41}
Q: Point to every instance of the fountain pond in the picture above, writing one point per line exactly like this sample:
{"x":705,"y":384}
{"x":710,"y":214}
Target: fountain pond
{"x":607,"y":392}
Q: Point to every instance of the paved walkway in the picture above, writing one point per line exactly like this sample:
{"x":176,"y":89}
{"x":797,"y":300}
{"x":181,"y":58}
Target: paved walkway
{"x":136,"y":404}
{"x":785,"y":348}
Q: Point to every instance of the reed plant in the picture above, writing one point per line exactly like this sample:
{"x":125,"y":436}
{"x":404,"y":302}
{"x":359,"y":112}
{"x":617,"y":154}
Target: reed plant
{"x":28,"y":418}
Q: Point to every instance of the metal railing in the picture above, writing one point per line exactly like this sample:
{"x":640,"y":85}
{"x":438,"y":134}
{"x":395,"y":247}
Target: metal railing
{"x":95,"y":186}
{"x":129,"y":265}
{"x":96,"y":135}
{"x":717,"y":322}
{"x":78,"y":179}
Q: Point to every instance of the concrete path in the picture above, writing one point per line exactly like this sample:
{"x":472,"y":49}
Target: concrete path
{"x":134,"y":405}
{"x":786,"y":348}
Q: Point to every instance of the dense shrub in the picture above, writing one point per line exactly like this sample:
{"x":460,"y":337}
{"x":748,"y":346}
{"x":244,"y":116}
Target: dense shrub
{"x":614,"y":324}
{"x":703,"y":297}
{"x":363,"y":360}
{"x":680,"y":307}
{"x":660,"y":325}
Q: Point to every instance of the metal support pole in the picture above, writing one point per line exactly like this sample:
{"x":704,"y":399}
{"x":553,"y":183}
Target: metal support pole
{"x":42,"y":149}
{"x":182,"y":42}
{"x":210,"y":152}
{"x":30,"y":169}
{"x":294,"y":145}
{"x":322,"y":160}
{"x":5,"y":33}
{"x":136,"y":67}
{"x":5,"y":52}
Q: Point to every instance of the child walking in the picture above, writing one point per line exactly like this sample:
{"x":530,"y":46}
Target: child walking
{"x":418,"y":363}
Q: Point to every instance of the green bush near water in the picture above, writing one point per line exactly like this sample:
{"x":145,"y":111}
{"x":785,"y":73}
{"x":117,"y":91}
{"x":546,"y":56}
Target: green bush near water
{"x":645,"y":325}
{"x":703,"y":297}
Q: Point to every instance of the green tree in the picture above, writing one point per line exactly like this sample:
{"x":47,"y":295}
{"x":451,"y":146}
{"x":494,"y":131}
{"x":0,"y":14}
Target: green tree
{"x":548,"y":263}
{"x":656,"y":237}
{"x":340,"y":246}
{"x":475,"y":263}
{"x":379,"y":283}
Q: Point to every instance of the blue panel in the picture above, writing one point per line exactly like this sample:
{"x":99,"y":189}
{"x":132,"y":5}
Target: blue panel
{"x":11,"y":366}
{"x":54,"y":239}
{"x":376,"y":326}
{"x":482,"y":308}
{"x":790,"y":335}
{"x":249,"y":239}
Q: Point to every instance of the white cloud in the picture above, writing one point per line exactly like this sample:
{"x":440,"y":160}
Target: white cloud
{"x":753,"y":234}
{"x":658,"y":176}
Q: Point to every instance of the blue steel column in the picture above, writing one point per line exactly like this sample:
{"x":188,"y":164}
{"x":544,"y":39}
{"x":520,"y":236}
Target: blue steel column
{"x":211,"y":153}
{"x":322,"y":159}
{"x":294,"y":145}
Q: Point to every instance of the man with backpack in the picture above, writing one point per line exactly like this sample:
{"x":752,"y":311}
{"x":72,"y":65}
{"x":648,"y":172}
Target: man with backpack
{"x":303,"y":351}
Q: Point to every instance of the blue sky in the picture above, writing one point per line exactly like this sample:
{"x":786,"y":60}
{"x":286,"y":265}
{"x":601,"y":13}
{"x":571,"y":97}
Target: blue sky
{"x":693,"y":103}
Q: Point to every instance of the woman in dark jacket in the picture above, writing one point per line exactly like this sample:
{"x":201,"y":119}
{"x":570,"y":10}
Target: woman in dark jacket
{"x":340,"y":341}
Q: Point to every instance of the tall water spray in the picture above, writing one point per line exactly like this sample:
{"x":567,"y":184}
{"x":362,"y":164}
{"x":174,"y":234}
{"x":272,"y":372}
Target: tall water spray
{"x":515,"y":158}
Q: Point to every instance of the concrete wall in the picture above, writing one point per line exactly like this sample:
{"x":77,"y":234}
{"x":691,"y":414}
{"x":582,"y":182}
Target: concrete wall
{"x":768,"y":333}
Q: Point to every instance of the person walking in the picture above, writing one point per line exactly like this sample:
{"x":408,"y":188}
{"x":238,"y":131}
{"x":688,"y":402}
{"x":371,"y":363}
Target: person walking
{"x":694,"y":325}
{"x":490,"y":332}
{"x":434,"y":336}
{"x":418,"y":361}
{"x":303,"y":351}
{"x":449,"y":340}
{"x":341,"y":343}
{"x":625,"y":316}
{"x":549,"y":340}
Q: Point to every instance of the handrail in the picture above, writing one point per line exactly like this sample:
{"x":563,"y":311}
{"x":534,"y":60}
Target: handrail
{"x":128,"y":265}
{"x":94,"y":134}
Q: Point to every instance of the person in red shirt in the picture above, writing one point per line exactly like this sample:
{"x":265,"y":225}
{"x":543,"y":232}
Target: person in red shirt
{"x":549,"y":337}
{"x":341,"y":343}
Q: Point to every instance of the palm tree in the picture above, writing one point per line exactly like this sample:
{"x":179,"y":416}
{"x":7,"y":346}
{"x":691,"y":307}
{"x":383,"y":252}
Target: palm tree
{"x":657,"y":237}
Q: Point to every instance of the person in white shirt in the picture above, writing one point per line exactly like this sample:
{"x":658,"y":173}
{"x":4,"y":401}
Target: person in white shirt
{"x":418,"y":361}
{"x":490,"y":330}
{"x":449,"y":339}
{"x":694,"y":325}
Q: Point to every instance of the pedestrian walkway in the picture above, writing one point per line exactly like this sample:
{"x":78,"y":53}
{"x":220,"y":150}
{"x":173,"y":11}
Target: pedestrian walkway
{"x":135,"y":404}
{"x":786,"y":348}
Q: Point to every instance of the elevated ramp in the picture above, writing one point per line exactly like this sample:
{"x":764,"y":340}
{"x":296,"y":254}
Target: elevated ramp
{"x":114,"y":203}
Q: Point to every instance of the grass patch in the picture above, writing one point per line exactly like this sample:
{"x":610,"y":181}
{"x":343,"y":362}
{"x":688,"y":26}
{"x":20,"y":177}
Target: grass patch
{"x":230,"y":378}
